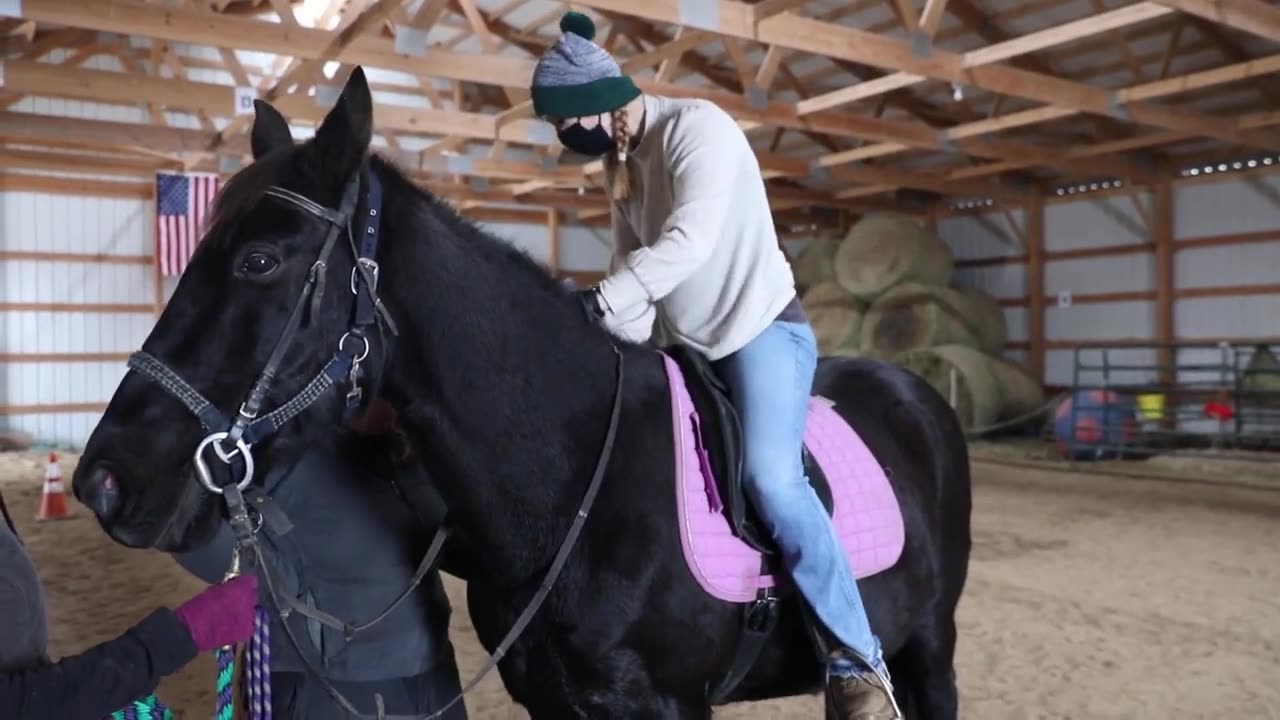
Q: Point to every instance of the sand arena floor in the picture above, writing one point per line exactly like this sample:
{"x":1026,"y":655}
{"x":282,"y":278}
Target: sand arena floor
{"x":1089,"y":597}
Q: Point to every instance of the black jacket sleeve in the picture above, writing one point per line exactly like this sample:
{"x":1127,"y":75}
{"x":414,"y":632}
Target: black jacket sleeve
{"x":103,"y":679}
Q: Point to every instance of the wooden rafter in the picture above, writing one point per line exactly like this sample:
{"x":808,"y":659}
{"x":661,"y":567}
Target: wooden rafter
{"x":893,"y":116}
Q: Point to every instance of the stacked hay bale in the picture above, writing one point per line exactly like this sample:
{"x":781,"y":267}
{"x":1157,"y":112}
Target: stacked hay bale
{"x":836,"y":317}
{"x":884,"y":292}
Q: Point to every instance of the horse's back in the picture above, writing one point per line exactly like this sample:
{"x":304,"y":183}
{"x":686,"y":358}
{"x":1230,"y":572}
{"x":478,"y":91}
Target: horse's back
{"x":915,"y":436}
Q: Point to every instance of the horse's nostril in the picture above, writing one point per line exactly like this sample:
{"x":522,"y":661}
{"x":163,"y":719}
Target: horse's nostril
{"x":102,"y":493}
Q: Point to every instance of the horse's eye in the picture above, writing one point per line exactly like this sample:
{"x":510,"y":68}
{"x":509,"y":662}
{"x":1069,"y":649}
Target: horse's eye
{"x":259,"y":265}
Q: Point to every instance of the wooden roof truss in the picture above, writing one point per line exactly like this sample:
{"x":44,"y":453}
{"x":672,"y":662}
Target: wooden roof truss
{"x":850,"y":105}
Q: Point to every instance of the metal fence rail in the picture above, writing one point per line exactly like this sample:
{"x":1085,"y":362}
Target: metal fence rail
{"x":1183,"y":396}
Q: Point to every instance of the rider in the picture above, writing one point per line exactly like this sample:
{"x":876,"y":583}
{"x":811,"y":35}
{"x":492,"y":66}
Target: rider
{"x":108,"y":676}
{"x":352,"y":550}
{"x":696,"y":247}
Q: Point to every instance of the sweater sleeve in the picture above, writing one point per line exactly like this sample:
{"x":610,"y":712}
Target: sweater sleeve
{"x":103,"y":679}
{"x":702,"y":160}
{"x":633,"y":323}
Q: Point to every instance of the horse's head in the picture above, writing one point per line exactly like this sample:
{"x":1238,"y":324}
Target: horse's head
{"x":236,"y":365}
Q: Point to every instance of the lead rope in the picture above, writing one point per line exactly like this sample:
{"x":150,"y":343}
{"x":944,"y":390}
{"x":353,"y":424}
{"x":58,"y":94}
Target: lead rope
{"x":226,"y":657}
{"x":258,"y":668}
{"x":148,"y":708}
{"x":255,"y":661}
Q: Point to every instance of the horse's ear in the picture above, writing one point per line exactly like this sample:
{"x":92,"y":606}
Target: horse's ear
{"x":270,"y":129}
{"x":344,"y":136}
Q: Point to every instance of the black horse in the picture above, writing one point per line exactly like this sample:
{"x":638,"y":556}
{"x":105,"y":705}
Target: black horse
{"x":506,"y":390}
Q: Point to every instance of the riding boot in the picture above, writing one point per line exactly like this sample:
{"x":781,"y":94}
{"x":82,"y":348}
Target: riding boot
{"x":855,"y":691}
{"x":861,"y":696}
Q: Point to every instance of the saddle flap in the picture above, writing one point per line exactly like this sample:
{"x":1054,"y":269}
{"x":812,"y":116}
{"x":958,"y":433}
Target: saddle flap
{"x":719,"y":432}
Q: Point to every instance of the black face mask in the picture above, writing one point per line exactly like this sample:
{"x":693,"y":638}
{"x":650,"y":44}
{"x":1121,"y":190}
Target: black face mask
{"x":593,"y":142}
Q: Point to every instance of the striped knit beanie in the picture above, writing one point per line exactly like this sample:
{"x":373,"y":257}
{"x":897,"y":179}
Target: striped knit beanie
{"x":576,"y":77}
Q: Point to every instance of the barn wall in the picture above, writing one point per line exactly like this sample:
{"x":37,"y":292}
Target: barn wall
{"x":77,"y":294}
{"x":68,"y":323}
{"x":1230,"y":232}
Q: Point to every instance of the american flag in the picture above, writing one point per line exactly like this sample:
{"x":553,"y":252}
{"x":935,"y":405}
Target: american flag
{"x":181,"y":203}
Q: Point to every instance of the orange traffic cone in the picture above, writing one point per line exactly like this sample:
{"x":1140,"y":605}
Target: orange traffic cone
{"x":53,"y":503}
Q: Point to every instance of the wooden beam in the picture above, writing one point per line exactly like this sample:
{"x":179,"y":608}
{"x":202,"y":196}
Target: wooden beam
{"x":1250,"y":16}
{"x":931,"y":18}
{"x":74,"y":187}
{"x":1162,"y":234}
{"x":190,"y":24}
{"x":837,"y":41}
{"x":218,"y":100}
{"x":1033,"y":222}
{"x":553,"y":239}
{"x":1150,"y":90}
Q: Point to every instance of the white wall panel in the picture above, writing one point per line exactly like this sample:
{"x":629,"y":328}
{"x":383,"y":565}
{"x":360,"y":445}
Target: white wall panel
{"x":1015,"y":319}
{"x":533,"y":239}
{"x":969,"y":239}
{"x":1085,"y":223}
{"x":36,"y":222}
{"x":1224,"y":208}
{"x":1252,"y":264}
{"x":1230,"y":316}
{"x":1114,"y":273}
{"x":1001,"y":281}
{"x":56,"y":223}
{"x":1100,"y":321}
{"x":585,"y":248}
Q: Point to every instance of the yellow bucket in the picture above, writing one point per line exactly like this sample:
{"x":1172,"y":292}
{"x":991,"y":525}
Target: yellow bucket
{"x":1151,"y":405}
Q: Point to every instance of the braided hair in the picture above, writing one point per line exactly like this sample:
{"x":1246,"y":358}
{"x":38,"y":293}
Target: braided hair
{"x":616,"y":163}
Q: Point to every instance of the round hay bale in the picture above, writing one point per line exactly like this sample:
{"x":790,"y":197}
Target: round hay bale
{"x":962,"y":375}
{"x":1020,"y":393}
{"x":885,"y":249}
{"x":912,"y":316}
{"x":986,"y":317}
{"x":814,"y":264}
{"x":836,"y":316}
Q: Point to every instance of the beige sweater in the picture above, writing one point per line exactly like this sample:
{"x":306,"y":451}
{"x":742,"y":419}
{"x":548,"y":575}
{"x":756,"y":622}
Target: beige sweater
{"x":695,"y":242}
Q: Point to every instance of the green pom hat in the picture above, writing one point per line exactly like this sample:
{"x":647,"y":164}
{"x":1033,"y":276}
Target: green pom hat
{"x":576,"y":77}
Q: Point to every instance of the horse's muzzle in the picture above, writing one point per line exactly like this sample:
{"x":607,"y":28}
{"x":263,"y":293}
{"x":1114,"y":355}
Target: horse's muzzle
{"x":99,"y":490}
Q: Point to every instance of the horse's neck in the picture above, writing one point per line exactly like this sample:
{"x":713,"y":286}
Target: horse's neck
{"x":506,"y":418}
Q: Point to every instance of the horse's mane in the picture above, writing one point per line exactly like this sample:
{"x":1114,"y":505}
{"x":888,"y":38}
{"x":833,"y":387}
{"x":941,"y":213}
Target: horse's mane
{"x":245,"y":190}
{"x":484,"y":245}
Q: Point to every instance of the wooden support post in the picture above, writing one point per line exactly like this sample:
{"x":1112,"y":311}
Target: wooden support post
{"x":553,"y":233}
{"x":157,"y":278}
{"x":1033,"y":224}
{"x":1162,"y":239}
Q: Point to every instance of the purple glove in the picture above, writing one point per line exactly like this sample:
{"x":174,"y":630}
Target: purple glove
{"x":222,"y":614}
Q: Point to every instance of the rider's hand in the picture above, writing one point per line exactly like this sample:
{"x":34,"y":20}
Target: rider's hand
{"x":592,"y":305}
{"x":222,"y":614}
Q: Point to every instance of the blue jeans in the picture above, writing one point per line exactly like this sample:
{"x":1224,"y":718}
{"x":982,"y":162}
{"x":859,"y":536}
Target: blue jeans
{"x":770,"y":381}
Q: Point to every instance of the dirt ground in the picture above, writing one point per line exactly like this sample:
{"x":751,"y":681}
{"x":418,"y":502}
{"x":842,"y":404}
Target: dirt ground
{"x":1089,"y":597}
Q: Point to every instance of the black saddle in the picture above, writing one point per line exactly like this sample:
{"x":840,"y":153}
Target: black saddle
{"x":721,"y":436}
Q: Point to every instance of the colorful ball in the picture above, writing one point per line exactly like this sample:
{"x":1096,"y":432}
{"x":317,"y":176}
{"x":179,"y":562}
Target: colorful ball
{"x":1105,"y":424}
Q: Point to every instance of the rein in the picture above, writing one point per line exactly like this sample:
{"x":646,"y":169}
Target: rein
{"x":344,"y":367}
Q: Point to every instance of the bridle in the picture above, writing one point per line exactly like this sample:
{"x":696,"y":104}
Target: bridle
{"x":343,"y":367}
{"x":250,"y":426}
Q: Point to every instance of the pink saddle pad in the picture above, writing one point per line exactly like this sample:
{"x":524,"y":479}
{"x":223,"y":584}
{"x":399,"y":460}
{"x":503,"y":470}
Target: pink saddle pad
{"x":866,"y":514}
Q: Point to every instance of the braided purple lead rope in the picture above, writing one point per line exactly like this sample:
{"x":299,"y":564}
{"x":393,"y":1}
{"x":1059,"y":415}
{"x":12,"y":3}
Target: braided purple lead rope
{"x":258,"y":668}
{"x":225,"y":684}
